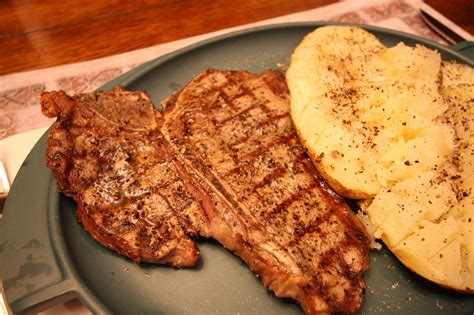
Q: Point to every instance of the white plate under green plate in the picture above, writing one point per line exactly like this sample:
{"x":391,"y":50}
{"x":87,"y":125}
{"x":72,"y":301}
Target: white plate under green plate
{"x":46,"y":256}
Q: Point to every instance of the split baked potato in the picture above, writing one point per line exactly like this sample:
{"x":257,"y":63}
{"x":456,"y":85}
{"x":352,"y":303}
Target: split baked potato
{"x":394,"y":127}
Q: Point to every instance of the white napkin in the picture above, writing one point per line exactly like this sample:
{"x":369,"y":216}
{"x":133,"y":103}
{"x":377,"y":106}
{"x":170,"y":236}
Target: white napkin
{"x":15,"y":149}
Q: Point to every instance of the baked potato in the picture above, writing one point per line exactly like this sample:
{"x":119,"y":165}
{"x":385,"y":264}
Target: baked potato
{"x":393,"y":127}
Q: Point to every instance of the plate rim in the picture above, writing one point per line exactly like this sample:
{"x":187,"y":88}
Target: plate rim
{"x":130,"y":76}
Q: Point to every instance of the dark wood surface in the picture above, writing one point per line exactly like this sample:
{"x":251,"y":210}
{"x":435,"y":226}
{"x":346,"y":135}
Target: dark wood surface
{"x":42,"y":33}
{"x":460,"y":12}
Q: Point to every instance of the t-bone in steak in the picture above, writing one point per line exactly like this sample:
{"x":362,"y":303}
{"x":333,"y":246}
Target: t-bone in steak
{"x":221,"y":160}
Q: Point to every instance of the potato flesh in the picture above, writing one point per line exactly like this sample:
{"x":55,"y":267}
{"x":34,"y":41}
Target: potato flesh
{"x":350,"y":96}
{"x":434,"y":251}
{"x":393,"y":124}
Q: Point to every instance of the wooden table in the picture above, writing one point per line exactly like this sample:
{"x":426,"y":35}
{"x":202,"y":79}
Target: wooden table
{"x":42,"y":33}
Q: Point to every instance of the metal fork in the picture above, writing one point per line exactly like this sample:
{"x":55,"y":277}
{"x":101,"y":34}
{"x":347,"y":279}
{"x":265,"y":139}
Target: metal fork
{"x":448,"y":34}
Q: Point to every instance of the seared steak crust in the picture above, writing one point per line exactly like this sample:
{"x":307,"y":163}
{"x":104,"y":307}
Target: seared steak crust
{"x":233,"y":131}
{"x":106,"y":152}
{"x":223,"y":161}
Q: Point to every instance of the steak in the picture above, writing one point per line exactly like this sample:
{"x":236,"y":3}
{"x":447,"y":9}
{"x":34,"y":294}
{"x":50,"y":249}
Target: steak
{"x":221,"y":160}
{"x":118,"y":169}
{"x":234,"y":134}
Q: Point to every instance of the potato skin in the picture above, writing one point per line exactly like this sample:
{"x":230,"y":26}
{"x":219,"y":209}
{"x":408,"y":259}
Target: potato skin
{"x":333,"y":182}
{"x":457,"y":289}
{"x":324,"y":65}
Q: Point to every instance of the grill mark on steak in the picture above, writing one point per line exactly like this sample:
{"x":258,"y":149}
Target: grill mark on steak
{"x":111,"y":166}
{"x":275,"y":173}
{"x":238,"y":115}
{"x":279,"y":208}
{"x":312,"y":227}
{"x":265,"y":140}
{"x":294,"y":202}
{"x":146,"y":182}
{"x":254,"y":153}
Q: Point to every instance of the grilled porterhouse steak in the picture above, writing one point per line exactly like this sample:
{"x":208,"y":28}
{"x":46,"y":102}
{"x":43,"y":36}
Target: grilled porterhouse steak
{"x":222,"y":161}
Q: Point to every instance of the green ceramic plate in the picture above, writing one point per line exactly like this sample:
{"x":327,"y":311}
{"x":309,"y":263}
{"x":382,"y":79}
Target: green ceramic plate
{"x":46,"y":256}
